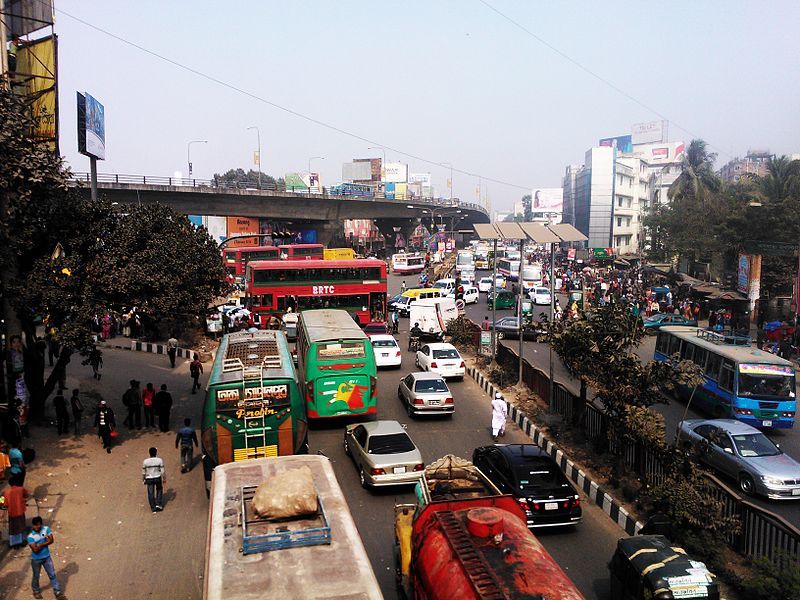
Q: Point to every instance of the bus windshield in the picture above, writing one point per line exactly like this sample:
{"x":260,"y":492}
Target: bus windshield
{"x":336,"y":350}
{"x":464,"y":259}
{"x":766,"y":381}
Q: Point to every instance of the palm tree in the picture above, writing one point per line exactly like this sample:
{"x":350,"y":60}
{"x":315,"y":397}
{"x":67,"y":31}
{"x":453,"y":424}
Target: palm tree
{"x":781,"y":181}
{"x":697,"y":180}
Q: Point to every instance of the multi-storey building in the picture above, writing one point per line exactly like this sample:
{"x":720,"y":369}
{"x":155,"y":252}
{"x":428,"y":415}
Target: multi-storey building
{"x":753,"y":164}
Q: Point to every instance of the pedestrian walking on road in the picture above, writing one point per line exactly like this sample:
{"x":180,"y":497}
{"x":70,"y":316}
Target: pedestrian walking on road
{"x":105,"y":423}
{"x":172,"y":350}
{"x":77,"y":410}
{"x":195,"y":368}
{"x":154,"y":476}
{"x":147,"y":402}
{"x":132,"y":399}
{"x":162,"y":404}
{"x":40,"y":539}
{"x":186,"y":437}
{"x":499,"y":416}
{"x":96,"y":361}
{"x":403,"y":286}
{"x":15,"y":496}
{"x":62,"y":414}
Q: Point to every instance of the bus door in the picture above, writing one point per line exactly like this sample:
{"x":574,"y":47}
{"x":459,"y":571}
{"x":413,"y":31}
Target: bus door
{"x":377,"y":305}
{"x":335,"y":391}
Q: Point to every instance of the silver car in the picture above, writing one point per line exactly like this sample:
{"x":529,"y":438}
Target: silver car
{"x":744,"y":453}
{"x":425,"y":393}
{"x":383,"y":453}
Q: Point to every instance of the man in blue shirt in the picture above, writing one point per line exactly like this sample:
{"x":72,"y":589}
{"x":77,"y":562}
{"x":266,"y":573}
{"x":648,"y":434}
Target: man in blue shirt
{"x":186,"y":437}
{"x":40,"y":539}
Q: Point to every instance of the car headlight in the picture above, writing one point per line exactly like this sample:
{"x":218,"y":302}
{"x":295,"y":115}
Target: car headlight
{"x":771,"y":481}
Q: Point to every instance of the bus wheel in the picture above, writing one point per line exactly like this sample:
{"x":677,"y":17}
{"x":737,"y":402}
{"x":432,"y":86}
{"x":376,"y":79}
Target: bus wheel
{"x":746,"y":484}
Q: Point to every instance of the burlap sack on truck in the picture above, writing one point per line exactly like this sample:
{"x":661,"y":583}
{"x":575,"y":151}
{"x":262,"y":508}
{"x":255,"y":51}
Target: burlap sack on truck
{"x":286,"y":495}
{"x":451,"y":467}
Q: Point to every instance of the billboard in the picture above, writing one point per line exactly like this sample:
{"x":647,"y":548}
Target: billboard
{"x":547,"y":200}
{"x":357,"y":171}
{"x":375,"y":168}
{"x":26,"y":16}
{"x":395,"y":172}
{"x":623,"y":143}
{"x":217,"y":228}
{"x":743,"y":274}
{"x":196,"y":220}
{"x":662,"y":153}
{"x":240,"y":226}
{"x":422,"y":178}
{"x":295,"y":183}
{"x":652,"y":131}
{"x":91,"y":127}
{"x":35,"y":78}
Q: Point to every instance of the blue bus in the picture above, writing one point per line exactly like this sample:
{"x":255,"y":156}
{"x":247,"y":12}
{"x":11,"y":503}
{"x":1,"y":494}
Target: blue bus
{"x":352,"y":189}
{"x":741,"y":382}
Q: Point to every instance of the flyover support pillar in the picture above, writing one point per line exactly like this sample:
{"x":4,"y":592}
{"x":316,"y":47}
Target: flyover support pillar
{"x":327,"y":232}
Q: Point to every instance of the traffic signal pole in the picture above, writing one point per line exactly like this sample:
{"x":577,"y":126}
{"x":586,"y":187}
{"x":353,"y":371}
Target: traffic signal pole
{"x":493,"y":289}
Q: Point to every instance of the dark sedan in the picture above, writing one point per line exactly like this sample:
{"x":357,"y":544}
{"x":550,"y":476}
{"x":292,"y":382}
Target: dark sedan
{"x":654,"y":323}
{"x":508,"y":328}
{"x":529,"y":474}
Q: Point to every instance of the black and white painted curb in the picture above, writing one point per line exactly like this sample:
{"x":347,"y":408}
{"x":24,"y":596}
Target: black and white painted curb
{"x":596,"y":494}
{"x":159,"y":349}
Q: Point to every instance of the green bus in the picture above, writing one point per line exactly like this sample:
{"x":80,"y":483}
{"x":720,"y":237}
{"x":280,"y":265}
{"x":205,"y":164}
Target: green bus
{"x":337,"y":365}
{"x":253,"y":407}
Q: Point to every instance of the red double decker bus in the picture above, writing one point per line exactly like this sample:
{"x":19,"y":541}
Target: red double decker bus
{"x":302,"y":251}
{"x":236,"y":259}
{"x":357,"y":286}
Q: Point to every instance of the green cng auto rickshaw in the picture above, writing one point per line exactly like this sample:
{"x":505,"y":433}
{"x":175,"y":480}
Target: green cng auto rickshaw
{"x":505,"y":299}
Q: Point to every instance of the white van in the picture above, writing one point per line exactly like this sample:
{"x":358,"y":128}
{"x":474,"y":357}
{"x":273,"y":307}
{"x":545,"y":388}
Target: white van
{"x":432,"y":314}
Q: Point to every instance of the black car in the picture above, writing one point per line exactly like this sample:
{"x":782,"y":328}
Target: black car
{"x":508,"y":328}
{"x":390,"y":305}
{"x":528,"y":473}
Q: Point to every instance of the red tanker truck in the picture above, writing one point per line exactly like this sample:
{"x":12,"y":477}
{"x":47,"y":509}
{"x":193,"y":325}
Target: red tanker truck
{"x":473,"y":548}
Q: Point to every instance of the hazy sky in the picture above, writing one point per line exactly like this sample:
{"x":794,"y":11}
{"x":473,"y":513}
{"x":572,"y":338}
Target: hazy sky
{"x":444,"y":81}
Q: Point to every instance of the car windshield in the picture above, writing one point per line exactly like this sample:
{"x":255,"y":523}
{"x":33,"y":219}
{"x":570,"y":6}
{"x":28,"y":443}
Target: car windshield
{"x":383,"y":343}
{"x":755,"y":444}
{"x":442,"y":285}
{"x":446,"y":353}
{"x":429,"y":386}
{"x":393,"y":443}
{"x":766,"y":381}
{"x":537,"y":475}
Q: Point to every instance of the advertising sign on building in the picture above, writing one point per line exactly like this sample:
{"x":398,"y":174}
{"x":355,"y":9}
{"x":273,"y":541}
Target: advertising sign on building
{"x":374,"y":166}
{"x":295,"y":183}
{"x":663,"y":153}
{"x":623,"y":143}
{"x":547,"y":200}
{"x":357,"y":171}
{"x":217,"y":228}
{"x":647,"y":133}
{"x":743,"y":274}
{"x":423,"y":178}
{"x":36,"y":79}
{"x":238,"y":226}
{"x":395,"y":172}
{"x":602,"y":253}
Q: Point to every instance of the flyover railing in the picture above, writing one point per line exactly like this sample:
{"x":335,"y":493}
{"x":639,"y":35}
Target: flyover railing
{"x":276,"y":187}
{"x":763,"y":533}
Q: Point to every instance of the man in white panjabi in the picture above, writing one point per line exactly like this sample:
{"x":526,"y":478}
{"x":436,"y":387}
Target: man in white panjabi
{"x":499,"y":416}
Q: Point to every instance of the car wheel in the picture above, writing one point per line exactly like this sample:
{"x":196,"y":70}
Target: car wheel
{"x":409,"y":410}
{"x":416,"y":361}
{"x":346,"y":446}
{"x":362,"y":478}
{"x":746,"y":484}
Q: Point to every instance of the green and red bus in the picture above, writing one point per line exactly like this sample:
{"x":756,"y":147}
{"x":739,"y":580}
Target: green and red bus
{"x":357,"y":286}
{"x":236,"y":259}
{"x":338,"y":375}
{"x":253,"y":406}
{"x":302,"y":251}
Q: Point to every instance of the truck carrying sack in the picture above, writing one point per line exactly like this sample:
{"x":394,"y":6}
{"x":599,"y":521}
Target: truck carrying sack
{"x":286,"y":495}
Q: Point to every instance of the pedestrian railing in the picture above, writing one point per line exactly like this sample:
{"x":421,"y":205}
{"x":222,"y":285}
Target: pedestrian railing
{"x":763,"y":533}
{"x":277,"y":187}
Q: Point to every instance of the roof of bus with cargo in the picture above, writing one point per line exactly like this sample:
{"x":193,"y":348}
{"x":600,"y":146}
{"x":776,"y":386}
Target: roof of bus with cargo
{"x":328,"y":324}
{"x":340,"y":569}
{"x":316,"y":263}
{"x":251,"y":348}
{"x":739,"y":354}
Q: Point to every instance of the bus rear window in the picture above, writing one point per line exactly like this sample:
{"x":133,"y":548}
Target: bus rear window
{"x":334,"y":350}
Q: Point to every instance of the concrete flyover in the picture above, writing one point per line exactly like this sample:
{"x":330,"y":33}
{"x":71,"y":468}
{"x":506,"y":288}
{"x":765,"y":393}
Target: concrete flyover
{"x":321,"y":211}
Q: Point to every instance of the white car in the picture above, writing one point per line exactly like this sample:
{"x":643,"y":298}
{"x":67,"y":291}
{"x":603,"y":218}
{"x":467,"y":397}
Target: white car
{"x":540,"y":295}
{"x":485,"y":283}
{"x":470,"y":294}
{"x":443,"y":359}
{"x":447,"y":285}
{"x":387,"y":351}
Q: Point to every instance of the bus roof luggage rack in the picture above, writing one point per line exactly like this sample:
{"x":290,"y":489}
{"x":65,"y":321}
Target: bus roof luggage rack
{"x":252,"y":351}
{"x":721,"y":338}
{"x":263,"y":535}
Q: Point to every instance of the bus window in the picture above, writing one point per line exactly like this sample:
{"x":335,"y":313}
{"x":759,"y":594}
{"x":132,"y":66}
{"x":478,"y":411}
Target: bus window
{"x":662,"y":342}
{"x":726,"y":376}
{"x":687,"y":351}
{"x":700,"y":355}
{"x":266,"y":300}
{"x":712,"y":368}
{"x":674,"y":345}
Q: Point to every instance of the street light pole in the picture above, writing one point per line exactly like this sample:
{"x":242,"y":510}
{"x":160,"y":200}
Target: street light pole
{"x":258,"y":162}
{"x":189,"y":153}
{"x":447,"y":164}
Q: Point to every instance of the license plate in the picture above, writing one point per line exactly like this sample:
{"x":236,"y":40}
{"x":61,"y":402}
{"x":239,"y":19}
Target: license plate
{"x":766,"y":423}
{"x":551,"y":505}
{"x":398,"y":470}
{"x":796,"y":492}
{"x":385,"y":354}
{"x":433,"y":402}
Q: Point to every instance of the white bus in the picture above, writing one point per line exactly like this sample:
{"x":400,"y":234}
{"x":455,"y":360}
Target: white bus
{"x":508,"y":268}
{"x":407,"y":264}
{"x":249,"y":558}
{"x":465,"y":266}
{"x":531,"y":276}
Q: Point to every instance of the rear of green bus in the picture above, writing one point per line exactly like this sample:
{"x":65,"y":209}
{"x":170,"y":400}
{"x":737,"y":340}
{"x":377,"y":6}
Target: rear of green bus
{"x":246,"y":418}
{"x":340,"y":379}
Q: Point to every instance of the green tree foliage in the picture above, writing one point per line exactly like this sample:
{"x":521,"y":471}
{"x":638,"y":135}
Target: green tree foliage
{"x":110,"y":258}
{"x":527,"y":215}
{"x":779,"y":580}
{"x":244,"y":179}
